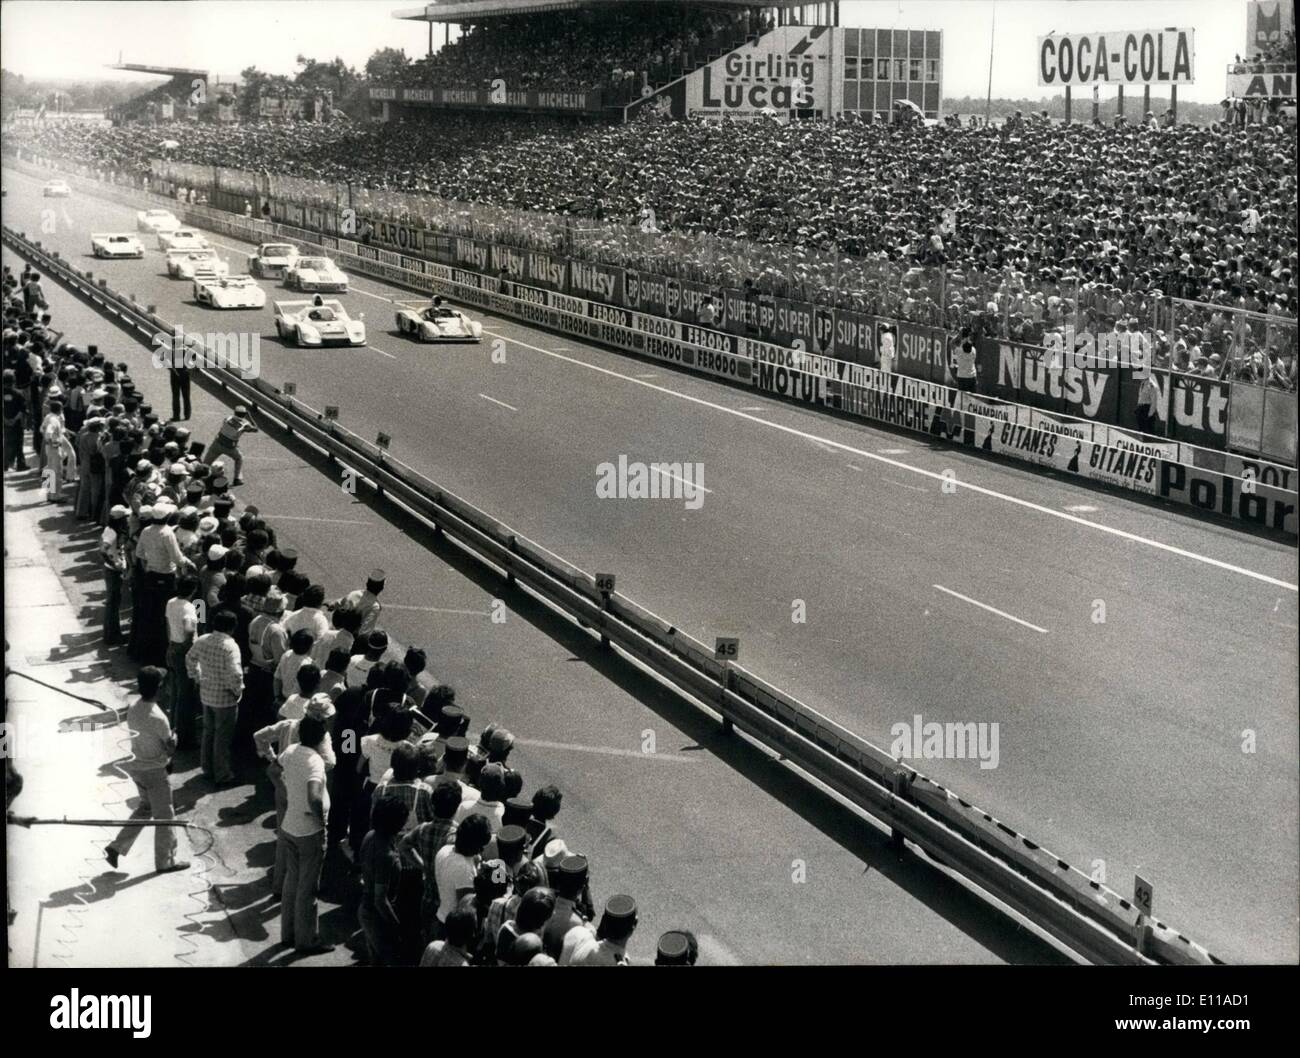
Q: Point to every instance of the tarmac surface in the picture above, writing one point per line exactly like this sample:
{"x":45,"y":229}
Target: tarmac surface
{"x":1120,"y":742}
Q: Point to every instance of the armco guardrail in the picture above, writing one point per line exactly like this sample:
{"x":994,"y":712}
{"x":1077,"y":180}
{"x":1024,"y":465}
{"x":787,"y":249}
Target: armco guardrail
{"x":1254,"y":492}
{"x":1089,"y":918}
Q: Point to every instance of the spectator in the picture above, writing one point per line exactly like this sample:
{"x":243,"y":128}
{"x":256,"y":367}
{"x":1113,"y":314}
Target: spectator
{"x":152,"y":746}
{"x":182,"y":628}
{"x":380,"y":879}
{"x":303,"y":835}
{"x":213,"y":662}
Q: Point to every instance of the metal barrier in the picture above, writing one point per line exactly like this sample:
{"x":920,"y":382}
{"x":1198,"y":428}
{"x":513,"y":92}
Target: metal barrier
{"x":1088,"y":918}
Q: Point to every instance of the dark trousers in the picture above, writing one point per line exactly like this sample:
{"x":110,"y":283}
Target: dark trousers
{"x":149,"y":617}
{"x":182,"y":696}
{"x":180,"y":380}
{"x":112,"y":606}
{"x":13,"y":446}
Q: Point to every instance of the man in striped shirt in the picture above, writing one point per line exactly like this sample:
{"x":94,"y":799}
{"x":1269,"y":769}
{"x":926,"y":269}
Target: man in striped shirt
{"x":227,"y":441}
{"x":213,"y":662}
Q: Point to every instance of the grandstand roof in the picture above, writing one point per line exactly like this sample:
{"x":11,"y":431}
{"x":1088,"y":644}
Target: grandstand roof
{"x":475,"y":10}
{"x":162,"y":71}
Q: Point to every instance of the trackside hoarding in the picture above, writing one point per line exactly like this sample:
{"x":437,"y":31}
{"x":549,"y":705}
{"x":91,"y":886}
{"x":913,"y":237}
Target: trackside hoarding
{"x":787,"y":70}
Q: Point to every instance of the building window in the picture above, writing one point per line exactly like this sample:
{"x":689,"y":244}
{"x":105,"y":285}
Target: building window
{"x":850,"y":67}
{"x":900,"y":69}
{"x":932,"y":70}
{"x":914,"y":69}
{"x":882,"y":69}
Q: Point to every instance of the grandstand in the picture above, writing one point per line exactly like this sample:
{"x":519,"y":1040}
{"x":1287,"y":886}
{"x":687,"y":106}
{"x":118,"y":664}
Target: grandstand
{"x":183,"y":96}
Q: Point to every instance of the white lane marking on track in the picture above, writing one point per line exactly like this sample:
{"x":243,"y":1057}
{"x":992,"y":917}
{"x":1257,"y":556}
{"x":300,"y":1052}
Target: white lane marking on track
{"x":378,"y":350}
{"x":753,"y":407}
{"x":305,"y":518}
{"x":1083,"y":508}
{"x":608,"y":751}
{"x":985,"y":606}
{"x":675,"y":477}
{"x":893,"y":451}
{"x":914,"y":488}
{"x":501,"y":402}
{"x":982,"y":490}
{"x":437,"y":609}
{"x":854,"y":466}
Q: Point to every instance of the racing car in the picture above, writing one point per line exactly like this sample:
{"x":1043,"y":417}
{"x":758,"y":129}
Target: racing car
{"x":57,"y":189}
{"x":315,"y":273}
{"x":115,"y":244}
{"x":438,"y":323}
{"x":307,"y":323}
{"x":186,"y":264}
{"x":182,"y":239}
{"x":156,"y":220}
{"x":222,"y":291}
{"x":272,"y":260}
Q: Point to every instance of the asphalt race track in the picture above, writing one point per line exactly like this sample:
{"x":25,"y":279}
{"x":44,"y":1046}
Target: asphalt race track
{"x":1120,"y":742}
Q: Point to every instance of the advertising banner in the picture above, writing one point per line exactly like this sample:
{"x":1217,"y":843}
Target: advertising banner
{"x":919,"y":351}
{"x":1143,"y":56}
{"x":1261,"y":85}
{"x":854,"y":337}
{"x":1268,"y":22}
{"x":499,"y":94}
{"x":600,"y":282}
{"x":786,"y":70}
{"x":1026,"y":374}
{"x":1263,"y":505}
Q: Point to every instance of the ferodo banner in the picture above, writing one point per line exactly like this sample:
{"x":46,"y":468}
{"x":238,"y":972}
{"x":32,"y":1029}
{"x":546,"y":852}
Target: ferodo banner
{"x":785,"y":70}
{"x":1143,"y":56}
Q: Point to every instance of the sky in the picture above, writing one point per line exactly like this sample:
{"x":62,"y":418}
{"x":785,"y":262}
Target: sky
{"x":76,"y":38}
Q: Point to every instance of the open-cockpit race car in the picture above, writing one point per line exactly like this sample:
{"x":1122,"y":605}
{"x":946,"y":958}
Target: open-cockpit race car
{"x":186,"y":264}
{"x":220,"y":291}
{"x":437,"y":322}
{"x":317,"y":322}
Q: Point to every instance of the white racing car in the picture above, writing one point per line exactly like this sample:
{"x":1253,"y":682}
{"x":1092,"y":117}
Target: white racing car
{"x":156,"y":220}
{"x":221,"y":291}
{"x":316,"y":273}
{"x":57,"y":189}
{"x":273,"y":260}
{"x":438,"y":323}
{"x":186,"y":264}
{"x":306,"y":323}
{"x":115,"y":244}
{"x":182,"y":239}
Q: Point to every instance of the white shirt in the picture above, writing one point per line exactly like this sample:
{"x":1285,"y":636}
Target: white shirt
{"x":310,"y":618}
{"x":451,"y":871}
{"x":492,"y":811}
{"x":887,"y":352}
{"x":358,"y":670}
{"x":302,"y":766}
{"x":182,"y":619}
{"x":378,"y":752}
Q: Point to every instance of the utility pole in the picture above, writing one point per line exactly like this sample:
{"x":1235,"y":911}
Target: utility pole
{"x":988,"y":98}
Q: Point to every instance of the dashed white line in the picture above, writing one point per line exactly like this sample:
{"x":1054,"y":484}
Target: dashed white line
{"x":901,"y":485}
{"x":438,"y":609}
{"x":305,"y":518}
{"x":501,"y":402}
{"x":1082,"y":508}
{"x":990,"y":609}
{"x":675,"y":477}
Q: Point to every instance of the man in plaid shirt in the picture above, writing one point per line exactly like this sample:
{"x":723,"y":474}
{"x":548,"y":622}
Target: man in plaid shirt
{"x":421,"y":845}
{"x":213,"y":662}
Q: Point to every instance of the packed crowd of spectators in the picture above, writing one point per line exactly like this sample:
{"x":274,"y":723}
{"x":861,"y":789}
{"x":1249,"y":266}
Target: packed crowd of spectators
{"x":616,"y":50}
{"x":1016,"y":228}
{"x":375,"y":774}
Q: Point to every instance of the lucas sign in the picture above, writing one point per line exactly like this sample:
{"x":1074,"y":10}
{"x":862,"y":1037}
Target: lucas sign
{"x":1141,"y":56}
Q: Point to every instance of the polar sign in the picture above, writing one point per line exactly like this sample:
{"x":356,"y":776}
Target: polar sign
{"x":1142,"y":56}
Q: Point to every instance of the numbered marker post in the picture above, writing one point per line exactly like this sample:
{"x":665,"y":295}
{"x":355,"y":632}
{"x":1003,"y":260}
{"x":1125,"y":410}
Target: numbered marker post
{"x":331,"y":412}
{"x":290,"y":389}
{"x":726,"y":650}
{"x":383,"y":441}
{"x":605,"y":585}
{"x":1143,"y":899}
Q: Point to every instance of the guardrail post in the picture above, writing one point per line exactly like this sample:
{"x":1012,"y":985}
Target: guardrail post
{"x":899,"y":783}
{"x":728,"y":676}
{"x":510,"y":574}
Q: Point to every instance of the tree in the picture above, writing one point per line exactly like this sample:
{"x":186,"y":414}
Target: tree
{"x":385,"y":66}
